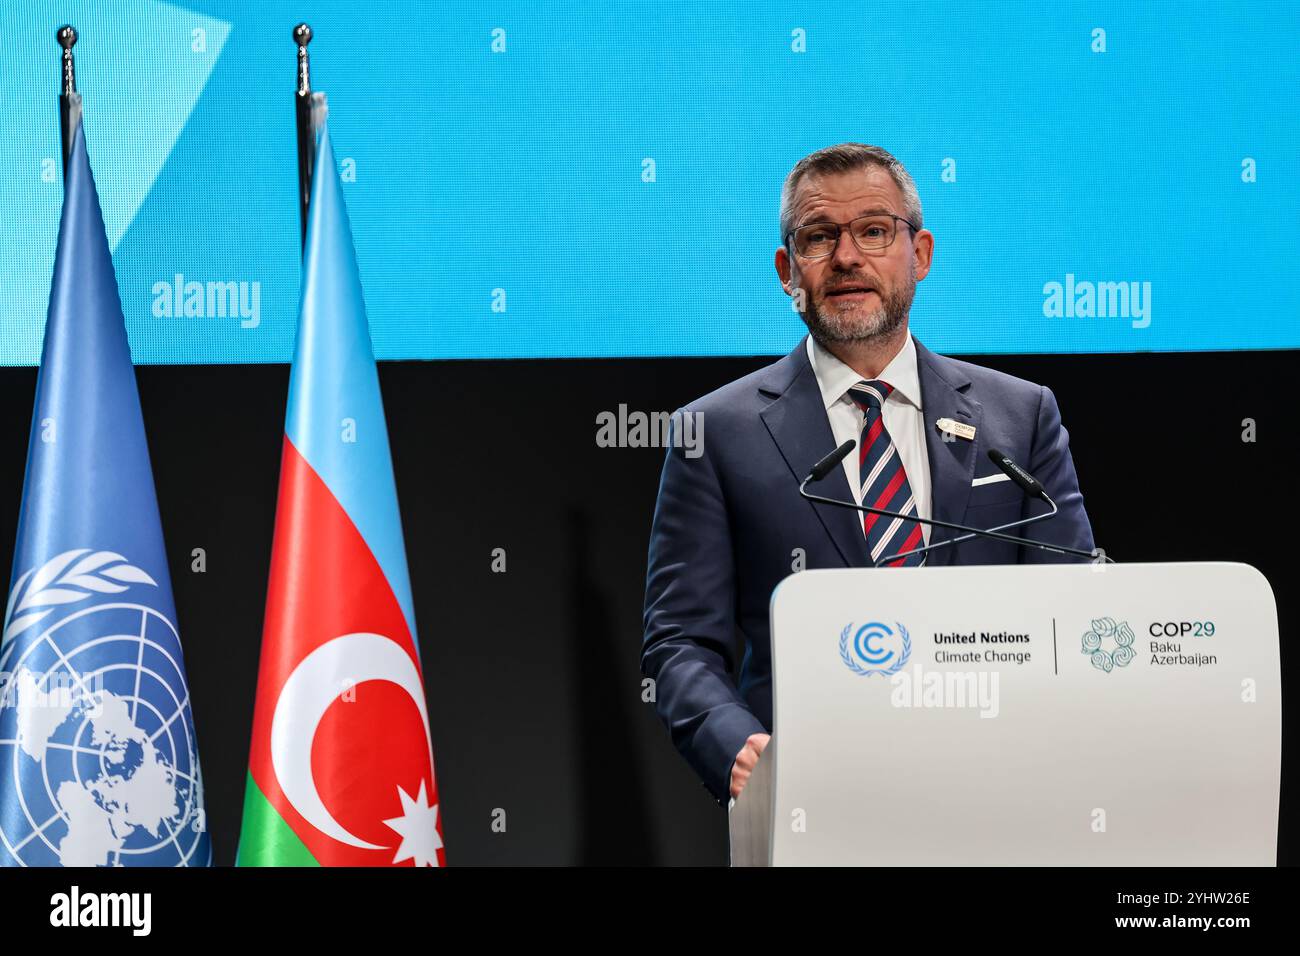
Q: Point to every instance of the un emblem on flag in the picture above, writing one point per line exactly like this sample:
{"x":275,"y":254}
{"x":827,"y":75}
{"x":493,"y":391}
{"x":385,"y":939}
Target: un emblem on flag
{"x":98,"y":763}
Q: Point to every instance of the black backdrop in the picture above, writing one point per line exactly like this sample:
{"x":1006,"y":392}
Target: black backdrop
{"x":532,"y":674}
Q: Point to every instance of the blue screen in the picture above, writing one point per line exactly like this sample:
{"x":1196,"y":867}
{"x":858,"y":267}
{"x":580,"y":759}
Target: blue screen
{"x":543,"y":180}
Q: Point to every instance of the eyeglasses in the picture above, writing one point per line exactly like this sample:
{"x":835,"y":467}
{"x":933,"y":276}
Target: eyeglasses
{"x":817,"y":240}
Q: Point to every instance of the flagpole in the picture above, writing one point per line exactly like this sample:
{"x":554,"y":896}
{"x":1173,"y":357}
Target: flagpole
{"x":308,"y":107}
{"x":69,"y":98}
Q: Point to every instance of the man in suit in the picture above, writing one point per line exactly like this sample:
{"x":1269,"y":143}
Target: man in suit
{"x":729,"y":523}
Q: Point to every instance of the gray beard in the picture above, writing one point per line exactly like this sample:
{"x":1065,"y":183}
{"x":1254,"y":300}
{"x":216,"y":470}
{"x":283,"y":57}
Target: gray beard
{"x":880,"y":324}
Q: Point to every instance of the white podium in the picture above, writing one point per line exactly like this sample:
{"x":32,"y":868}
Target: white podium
{"x":1022,"y":715}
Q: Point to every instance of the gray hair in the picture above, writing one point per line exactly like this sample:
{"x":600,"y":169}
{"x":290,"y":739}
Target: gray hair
{"x":845,"y":158}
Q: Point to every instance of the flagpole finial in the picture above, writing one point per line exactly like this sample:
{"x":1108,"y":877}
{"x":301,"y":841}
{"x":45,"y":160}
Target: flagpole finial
{"x":67,"y":36}
{"x":302,"y":36}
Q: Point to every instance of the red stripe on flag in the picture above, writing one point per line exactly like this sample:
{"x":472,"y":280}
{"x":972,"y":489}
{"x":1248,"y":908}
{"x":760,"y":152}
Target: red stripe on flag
{"x":324,"y":583}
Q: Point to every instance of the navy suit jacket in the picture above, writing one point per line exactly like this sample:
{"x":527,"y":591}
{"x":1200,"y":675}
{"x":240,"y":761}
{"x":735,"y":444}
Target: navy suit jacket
{"x":728,"y":521}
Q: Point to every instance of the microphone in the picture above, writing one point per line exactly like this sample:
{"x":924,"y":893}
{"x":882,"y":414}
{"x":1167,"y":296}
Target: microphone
{"x":1017,"y":474}
{"x":827,"y":464}
{"x":1031,"y":486}
{"x":1022,"y":478}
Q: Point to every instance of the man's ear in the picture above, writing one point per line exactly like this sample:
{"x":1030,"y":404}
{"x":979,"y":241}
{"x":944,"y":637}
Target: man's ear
{"x":782,"y":263}
{"x":923,"y":250}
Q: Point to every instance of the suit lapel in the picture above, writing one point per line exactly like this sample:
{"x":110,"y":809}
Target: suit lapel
{"x":799,"y":425}
{"x":952,"y":463}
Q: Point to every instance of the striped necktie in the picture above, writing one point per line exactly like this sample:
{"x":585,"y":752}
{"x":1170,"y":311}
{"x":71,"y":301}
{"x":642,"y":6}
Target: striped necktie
{"x":883,"y":481}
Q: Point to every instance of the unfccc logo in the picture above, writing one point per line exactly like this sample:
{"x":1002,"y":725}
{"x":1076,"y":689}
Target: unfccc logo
{"x":875,"y":648}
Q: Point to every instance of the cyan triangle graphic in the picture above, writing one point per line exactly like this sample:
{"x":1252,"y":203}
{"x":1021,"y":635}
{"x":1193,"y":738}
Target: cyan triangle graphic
{"x":141,"y":68}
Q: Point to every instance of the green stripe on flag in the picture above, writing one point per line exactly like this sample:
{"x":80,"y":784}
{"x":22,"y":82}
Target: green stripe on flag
{"x":265,"y":839}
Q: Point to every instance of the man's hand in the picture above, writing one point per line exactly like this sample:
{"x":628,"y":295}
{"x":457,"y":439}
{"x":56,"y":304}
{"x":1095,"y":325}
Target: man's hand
{"x":746,"y":761}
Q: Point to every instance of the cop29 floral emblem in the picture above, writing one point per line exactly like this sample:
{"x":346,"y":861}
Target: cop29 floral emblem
{"x":875,"y":648}
{"x":1108,"y":644}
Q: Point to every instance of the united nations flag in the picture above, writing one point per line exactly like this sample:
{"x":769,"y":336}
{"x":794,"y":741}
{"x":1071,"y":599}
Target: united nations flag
{"x":98,"y":760}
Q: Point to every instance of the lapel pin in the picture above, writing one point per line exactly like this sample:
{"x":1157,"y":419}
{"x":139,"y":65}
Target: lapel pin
{"x":956,"y":429}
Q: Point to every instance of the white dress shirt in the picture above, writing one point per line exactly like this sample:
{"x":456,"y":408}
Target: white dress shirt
{"x":901,"y":412}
